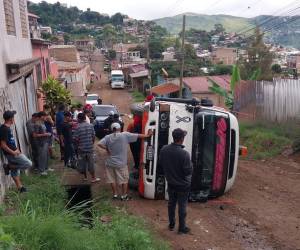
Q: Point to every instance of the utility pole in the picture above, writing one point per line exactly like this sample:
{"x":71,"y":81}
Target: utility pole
{"x":182,"y":57}
{"x":148,"y":57}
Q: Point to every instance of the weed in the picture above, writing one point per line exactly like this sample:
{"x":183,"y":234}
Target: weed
{"x":266,"y":140}
{"x":138,"y":96}
{"x":42,"y":221}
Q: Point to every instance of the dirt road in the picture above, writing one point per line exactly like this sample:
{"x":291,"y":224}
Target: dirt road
{"x":260,"y":212}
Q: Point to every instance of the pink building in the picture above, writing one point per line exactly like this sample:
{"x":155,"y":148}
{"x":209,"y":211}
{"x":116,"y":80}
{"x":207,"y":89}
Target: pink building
{"x":40,"y":50}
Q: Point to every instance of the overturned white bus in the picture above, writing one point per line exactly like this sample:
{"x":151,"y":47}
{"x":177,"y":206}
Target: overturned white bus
{"x":212,"y":140}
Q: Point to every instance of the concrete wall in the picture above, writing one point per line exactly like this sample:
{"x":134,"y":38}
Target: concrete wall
{"x":12,"y":48}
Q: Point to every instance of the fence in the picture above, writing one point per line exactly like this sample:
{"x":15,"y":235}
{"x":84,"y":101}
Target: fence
{"x":277,"y":101}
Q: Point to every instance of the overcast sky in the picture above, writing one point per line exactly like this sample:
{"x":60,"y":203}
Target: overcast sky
{"x":151,"y":9}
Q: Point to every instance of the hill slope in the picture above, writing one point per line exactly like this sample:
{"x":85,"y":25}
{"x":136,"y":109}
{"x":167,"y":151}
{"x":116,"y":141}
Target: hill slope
{"x":284,"y":30}
{"x":204,"y":22}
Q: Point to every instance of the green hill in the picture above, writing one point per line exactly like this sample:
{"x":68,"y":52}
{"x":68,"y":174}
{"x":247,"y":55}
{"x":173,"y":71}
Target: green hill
{"x":204,"y":22}
{"x":283,"y":30}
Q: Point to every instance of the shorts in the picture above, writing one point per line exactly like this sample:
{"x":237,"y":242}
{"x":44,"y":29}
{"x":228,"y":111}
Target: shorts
{"x":117,"y":175}
{"x":21,"y":162}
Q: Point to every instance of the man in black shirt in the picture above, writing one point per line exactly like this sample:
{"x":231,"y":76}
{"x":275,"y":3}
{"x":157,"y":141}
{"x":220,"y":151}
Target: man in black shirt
{"x":178,"y":170}
{"x":66,"y":137}
{"x":16,"y":160}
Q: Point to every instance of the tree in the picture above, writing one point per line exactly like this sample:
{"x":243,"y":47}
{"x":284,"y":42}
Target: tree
{"x":219,"y":29}
{"x":55,"y":93}
{"x":117,"y":19}
{"x":112,"y":54}
{"x":259,"y":58}
{"x":67,"y":38}
{"x":109,"y":35}
{"x":228,"y":95}
{"x":276,"y":68}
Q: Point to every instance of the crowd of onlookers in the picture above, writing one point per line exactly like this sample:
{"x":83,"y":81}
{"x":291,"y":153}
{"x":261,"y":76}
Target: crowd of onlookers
{"x":76,"y":136}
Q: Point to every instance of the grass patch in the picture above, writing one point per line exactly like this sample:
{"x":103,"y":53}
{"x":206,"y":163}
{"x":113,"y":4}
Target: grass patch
{"x":267,"y":140}
{"x":138,"y":96}
{"x":39,"y":220}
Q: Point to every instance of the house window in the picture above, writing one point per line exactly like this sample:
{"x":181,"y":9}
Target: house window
{"x":24,"y":28}
{"x":9,"y":17}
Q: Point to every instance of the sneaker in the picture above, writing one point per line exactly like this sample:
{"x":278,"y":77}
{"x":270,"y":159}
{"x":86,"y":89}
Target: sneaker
{"x":185,"y":230}
{"x":22,"y":190}
{"x":44,"y":173}
{"x":94,"y":180}
{"x":50,"y":169}
{"x":171,"y":227}
{"x":125,"y":198}
{"x":6,"y":169}
{"x":115,"y":197}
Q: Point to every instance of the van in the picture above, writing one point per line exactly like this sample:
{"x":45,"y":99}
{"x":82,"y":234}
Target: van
{"x":212,"y":140}
{"x":117,"y":79}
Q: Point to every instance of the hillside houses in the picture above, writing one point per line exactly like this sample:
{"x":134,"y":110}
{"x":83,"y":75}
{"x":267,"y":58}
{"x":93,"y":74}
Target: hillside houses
{"x":74,"y":74}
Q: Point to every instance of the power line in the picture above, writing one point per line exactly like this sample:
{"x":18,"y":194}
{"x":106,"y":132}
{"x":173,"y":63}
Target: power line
{"x":266,"y":21}
{"x":272,"y":16}
{"x":292,"y":20}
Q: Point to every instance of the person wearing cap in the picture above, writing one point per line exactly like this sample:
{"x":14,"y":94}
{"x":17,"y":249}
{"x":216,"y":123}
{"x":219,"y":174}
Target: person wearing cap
{"x":30,"y":127}
{"x":116,"y":164}
{"x":66,"y":137}
{"x":84,"y":137}
{"x":41,"y":137}
{"x":177,"y":166}
{"x":16,"y":160}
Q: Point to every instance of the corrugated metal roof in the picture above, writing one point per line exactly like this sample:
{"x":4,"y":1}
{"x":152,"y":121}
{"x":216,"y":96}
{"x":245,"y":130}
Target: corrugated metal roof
{"x":201,"y":84}
{"x":166,"y":88}
{"x":143,"y":73}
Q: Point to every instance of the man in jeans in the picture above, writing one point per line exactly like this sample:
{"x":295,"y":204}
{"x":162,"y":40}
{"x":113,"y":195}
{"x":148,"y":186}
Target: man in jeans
{"x":178,"y":170}
{"x":84,"y":136}
{"x":41,"y":137}
{"x":116,"y":145}
{"x":16,"y":160}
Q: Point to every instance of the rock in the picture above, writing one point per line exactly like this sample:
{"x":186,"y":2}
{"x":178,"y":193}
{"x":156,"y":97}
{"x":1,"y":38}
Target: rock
{"x":221,"y":207}
{"x":197,"y":222}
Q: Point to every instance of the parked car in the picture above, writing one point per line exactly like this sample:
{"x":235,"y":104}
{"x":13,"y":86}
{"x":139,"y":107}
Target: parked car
{"x":101,"y":112}
{"x":92,"y":99}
